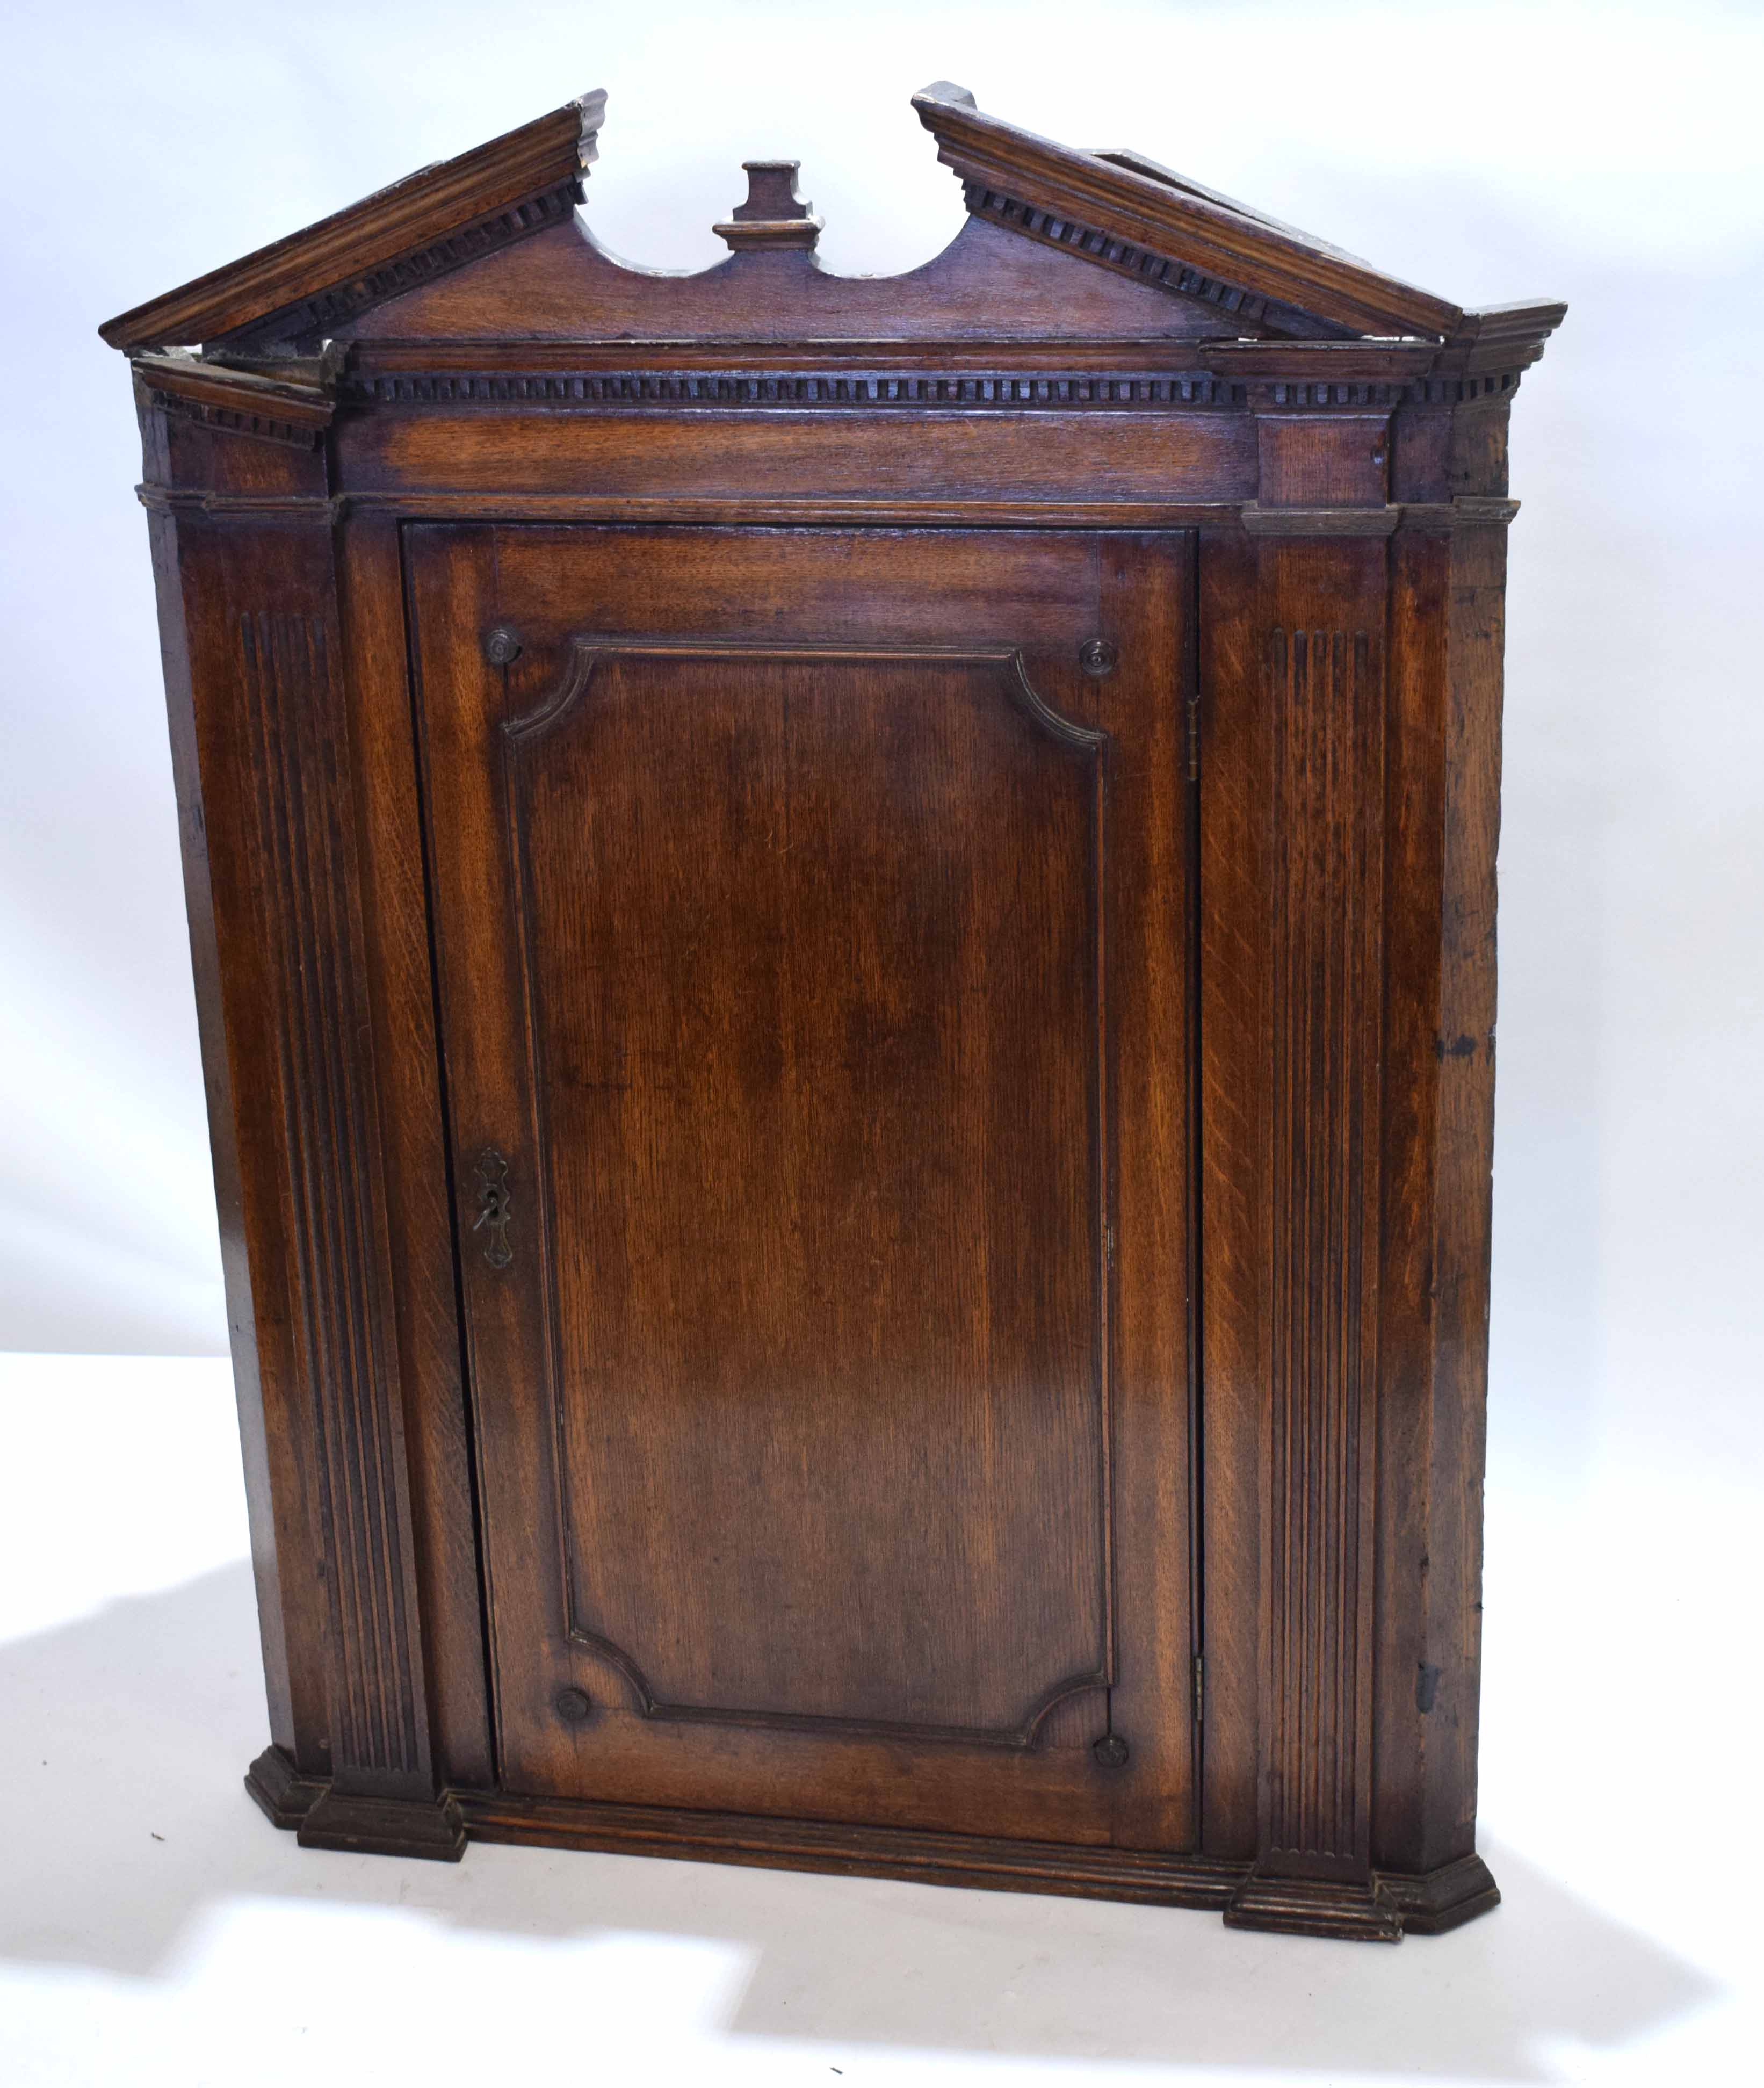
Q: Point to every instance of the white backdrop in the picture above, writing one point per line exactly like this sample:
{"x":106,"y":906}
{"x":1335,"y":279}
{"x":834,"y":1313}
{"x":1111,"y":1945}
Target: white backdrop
{"x":1607,"y":154}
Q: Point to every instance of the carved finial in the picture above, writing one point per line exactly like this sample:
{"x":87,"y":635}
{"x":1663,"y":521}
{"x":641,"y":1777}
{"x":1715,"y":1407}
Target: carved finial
{"x":774,"y":215}
{"x":592,"y":106}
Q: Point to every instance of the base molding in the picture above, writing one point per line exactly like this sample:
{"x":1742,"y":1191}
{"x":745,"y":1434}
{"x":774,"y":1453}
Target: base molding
{"x":281,"y":1793}
{"x":1352,"y":1912}
{"x":324,"y":1817}
{"x":1381,"y":1909}
{"x":373,"y":1826}
{"x":1431,"y":1901}
{"x":977,"y":1861}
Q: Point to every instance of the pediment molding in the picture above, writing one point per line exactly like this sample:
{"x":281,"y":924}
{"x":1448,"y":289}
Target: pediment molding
{"x":1090,"y":242}
{"x":437,"y":219}
{"x":1112,"y":209}
{"x":1302,"y":323}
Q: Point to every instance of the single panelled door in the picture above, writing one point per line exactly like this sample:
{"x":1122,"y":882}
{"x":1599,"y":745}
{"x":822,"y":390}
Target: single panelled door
{"x":814,"y":927}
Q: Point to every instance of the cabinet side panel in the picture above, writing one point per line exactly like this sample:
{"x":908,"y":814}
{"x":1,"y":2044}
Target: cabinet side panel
{"x":211,"y":765}
{"x":261,"y":1489}
{"x":1443,"y":822}
{"x":1466,"y":1147}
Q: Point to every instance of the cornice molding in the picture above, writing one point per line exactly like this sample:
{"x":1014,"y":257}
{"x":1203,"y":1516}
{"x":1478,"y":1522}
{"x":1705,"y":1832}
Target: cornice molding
{"x":1321,"y":362}
{"x":317,"y":508}
{"x":1469,"y":511}
{"x":241,"y":403}
{"x":963,"y":355}
{"x":1475,"y":511}
{"x":1504,"y":338}
{"x":934,"y":390}
{"x":433,"y":220}
{"x":1163,"y":216}
{"x":1314,"y":376}
{"x":1320,"y":521}
{"x":1311,"y":375}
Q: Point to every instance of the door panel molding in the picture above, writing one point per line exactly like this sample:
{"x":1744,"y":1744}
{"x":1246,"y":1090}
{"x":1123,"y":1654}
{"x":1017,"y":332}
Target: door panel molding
{"x":588,"y":653}
{"x":525,"y":736}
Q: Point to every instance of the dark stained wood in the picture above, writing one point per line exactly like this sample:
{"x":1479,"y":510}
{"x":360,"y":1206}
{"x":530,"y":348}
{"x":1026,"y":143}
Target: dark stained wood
{"x":1447,"y":604}
{"x":1311,"y":460}
{"x":418,"y":1173}
{"x":275,"y":1474}
{"x":1236,"y":847}
{"x":774,"y":215}
{"x":986,"y":285}
{"x":239,"y":401}
{"x":1125,"y":456}
{"x":844,"y":940}
{"x":1322,"y":604}
{"x":861,"y":1228}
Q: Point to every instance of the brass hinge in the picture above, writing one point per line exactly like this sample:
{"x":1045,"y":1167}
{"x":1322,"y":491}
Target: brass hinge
{"x":1194,"y":737}
{"x":1200,"y":1688}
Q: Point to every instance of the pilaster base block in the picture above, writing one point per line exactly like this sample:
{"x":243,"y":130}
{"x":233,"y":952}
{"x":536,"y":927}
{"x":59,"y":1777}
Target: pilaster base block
{"x":282,"y":1794}
{"x":1431,"y":1901}
{"x":372,"y":1826}
{"x":1354,"y":1913}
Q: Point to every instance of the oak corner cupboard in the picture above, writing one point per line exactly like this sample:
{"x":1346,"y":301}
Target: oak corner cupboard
{"x":844,"y":934}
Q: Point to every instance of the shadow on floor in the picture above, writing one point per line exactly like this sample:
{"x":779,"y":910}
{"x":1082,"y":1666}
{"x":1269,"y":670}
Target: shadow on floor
{"x":136,"y":1724}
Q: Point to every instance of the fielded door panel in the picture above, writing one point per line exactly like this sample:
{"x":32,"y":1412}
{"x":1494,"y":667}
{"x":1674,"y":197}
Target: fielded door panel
{"x":812,"y":922}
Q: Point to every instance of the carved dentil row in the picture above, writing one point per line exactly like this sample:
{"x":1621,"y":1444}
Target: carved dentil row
{"x":1039,"y":390}
{"x":321,"y":314}
{"x":671,"y":387}
{"x":945,"y":390}
{"x":1142,"y":263}
{"x":264,"y":427}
